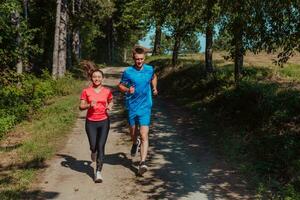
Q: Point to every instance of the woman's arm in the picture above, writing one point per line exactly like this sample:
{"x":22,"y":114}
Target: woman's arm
{"x":110,"y":105}
{"x":84,"y":105}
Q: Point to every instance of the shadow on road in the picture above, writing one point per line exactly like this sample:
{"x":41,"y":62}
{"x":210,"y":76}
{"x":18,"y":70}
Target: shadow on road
{"x":120,"y":159}
{"x":39,"y":195}
{"x":82,"y":166}
{"x":190,"y":169}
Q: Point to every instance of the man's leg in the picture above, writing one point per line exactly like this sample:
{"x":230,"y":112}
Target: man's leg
{"x":144,"y":121}
{"x":144,"y":130}
{"x":135,"y":142}
{"x":133,"y":133}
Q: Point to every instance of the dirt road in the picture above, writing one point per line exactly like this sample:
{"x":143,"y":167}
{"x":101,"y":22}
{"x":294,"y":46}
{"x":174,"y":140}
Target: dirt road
{"x":181,"y":164}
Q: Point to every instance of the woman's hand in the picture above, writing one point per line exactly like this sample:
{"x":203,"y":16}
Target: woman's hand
{"x":93,"y":103}
{"x":109,"y":106}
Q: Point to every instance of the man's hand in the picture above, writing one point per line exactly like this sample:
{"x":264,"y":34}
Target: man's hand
{"x":155,"y":92}
{"x":131,"y":90}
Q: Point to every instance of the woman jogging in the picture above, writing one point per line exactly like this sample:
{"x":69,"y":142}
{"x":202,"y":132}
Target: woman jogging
{"x":97,"y":99}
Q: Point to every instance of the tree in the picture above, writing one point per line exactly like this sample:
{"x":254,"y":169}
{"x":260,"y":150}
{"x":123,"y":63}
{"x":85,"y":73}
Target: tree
{"x":16,"y":43}
{"x":159,"y":10}
{"x":60,"y":40}
{"x":76,"y":46}
{"x":239,"y":20}
{"x":180,"y":22}
{"x":280,"y":28}
{"x":211,"y":12}
{"x":261,"y":25}
{"x":16,"y":21}
{"x":55,"y":65}
{"x":166,"y":43}
{"x":62,"y":52}
{"x":234,"y":20}
{"x":190,"y":44}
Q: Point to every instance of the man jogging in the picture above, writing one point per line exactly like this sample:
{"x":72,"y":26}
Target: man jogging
{"x":136,"y":83}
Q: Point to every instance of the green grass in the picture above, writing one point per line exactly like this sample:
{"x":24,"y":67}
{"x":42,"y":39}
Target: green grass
{"x":291,"y":71}
{"x":47,"y":129}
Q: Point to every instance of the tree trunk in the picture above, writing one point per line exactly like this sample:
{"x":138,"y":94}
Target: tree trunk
{"x":239,"y":53}
{"x":25,"y":5}
{"x":16,"y":22}
{"x":156,"y":48}
{"x":176,"y":50}
{"x":76,"y":34}
{"x":62,"y":53}
{"x":69,"y":49}
{"x":208,"y":48}
{"x":125,"y":55}
{"x":56,"y":40}
{"x":209,"y":37}
{"x":109,"y":36}
{"x":76,"y":45}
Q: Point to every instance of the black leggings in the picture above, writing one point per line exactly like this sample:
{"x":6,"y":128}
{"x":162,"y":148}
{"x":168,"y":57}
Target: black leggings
{"x":97,"y":132}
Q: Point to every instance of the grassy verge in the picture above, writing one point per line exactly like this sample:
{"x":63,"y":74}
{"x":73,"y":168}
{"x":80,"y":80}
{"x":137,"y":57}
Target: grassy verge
{"x":44,"y":133}
{"x":254,"y":125}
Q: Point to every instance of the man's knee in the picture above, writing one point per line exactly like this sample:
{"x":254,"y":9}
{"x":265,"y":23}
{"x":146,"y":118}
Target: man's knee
{"x":144,"y":130}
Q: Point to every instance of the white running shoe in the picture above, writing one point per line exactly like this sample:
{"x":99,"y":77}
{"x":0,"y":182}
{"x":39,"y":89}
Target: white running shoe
{"x":98,"y":177}
{"x":93,"y":156}
{"x":142,"y":168}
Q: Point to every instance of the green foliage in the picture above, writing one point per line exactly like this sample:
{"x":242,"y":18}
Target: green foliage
{"x":11,"y":28}
{"x":22,"y":94}
{"x":6,"y":122}
{"x":180,"y":22}
{"x":46,"y":129}
{"x":269,"y":115}
{"x":190,"y":43}
{"x":290,"y":71}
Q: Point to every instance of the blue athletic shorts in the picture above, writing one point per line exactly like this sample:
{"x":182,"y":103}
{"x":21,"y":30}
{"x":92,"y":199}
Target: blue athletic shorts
{"x":141,"y":118}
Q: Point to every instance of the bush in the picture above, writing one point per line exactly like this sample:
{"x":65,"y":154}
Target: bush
{"x":22,"y":94}
{"x":6,"y":123}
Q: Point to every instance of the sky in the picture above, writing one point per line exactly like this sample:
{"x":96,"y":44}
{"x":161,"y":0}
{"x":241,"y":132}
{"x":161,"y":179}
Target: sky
{"x":146,"y":41}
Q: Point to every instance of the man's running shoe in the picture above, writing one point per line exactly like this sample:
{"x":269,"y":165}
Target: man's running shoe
{"x":98,"y":177}
{"x":135,"y":147}
{"x":93,"y":156}
{"x":142,"y":168}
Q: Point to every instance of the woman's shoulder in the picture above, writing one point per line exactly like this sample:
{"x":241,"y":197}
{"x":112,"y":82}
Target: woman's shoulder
{"x":87,"y":89}
{"x":106,"y":89}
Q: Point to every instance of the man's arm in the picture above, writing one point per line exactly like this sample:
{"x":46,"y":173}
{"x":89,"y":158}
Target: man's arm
{"x":125,"y":89}
{"x":154,"y":84}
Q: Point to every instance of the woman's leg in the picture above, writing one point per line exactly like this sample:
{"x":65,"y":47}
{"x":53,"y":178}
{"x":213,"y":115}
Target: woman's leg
{"x":91,"y":130}
{"x":103,"y":130}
